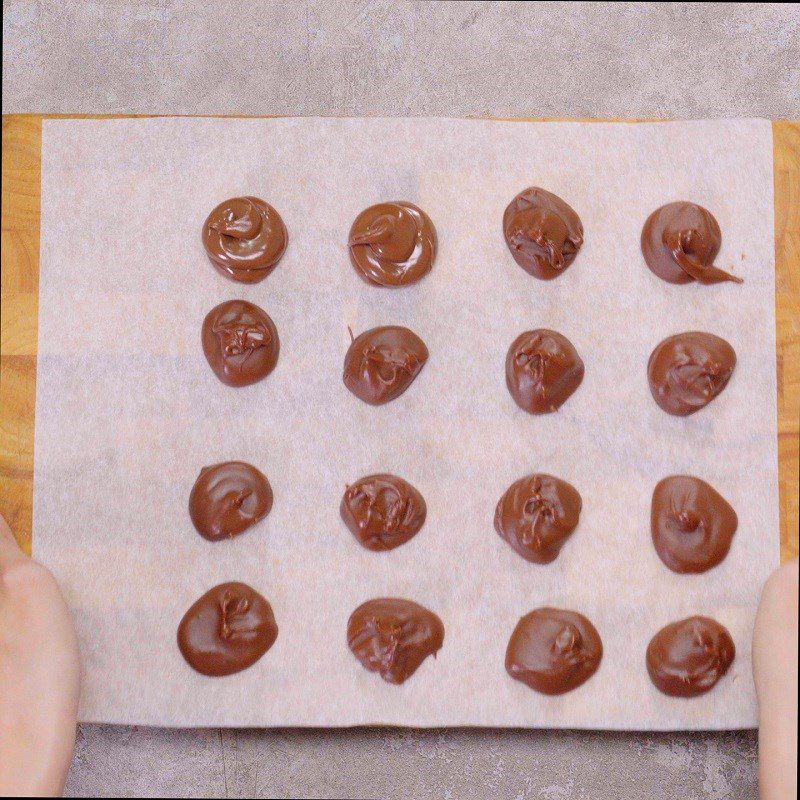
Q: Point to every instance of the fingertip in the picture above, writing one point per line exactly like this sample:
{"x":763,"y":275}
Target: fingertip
{"x":783,"y":582}
{"x":9,"y":547}
{"x":5,"y":528}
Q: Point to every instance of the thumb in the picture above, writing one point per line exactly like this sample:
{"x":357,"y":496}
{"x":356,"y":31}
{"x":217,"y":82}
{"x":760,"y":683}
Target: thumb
{"x":9,"y":549}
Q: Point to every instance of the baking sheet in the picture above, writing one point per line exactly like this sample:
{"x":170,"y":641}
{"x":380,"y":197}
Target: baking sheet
{"x":128,"y":411}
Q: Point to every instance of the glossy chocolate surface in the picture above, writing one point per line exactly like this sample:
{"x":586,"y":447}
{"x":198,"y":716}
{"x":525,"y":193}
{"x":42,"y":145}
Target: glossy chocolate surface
{"x":688,"y":370}
{"x":227,"y":499}
{"x":543,"y":369}
{"x":536,"y":515}
{"x":393,"y":637}
{"x":692,"y":524}
{"x":688,"y":657}
{"x":543,"y":233}
{"x":680,"y":242}
{"x":227,"y":630}
{"x":240,"y":342}
{"x":244,"y":238}
{"x":382,"y":363}
{"x":392,"y":244}
{"x":382,"y":511}
{"x":553,"y":650}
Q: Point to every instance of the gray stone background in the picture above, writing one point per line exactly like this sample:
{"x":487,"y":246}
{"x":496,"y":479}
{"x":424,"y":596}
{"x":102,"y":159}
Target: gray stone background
{"x":397,"y":59}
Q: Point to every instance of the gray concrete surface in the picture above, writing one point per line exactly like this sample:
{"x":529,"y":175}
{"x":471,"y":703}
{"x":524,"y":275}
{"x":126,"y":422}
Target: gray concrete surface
{"x":313,"y":57}
{"x":406,"y":764}
{"x":380,"y":58}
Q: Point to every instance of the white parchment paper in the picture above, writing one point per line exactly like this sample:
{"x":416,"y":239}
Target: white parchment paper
{"x":128,"y":411}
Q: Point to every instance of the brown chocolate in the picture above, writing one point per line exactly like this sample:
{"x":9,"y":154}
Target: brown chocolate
{"x":543,"y":233}
{"x":680,"y":242}
{"x":553,"y":650}
{"x":227,"y":499}
{"x":240,"y":342}
{"x":542,"y":370}
{"x":382,"y":363}
{"x":687,"y":658}
{"x":227,"y":630}
{"x":244,"y":238}
{"x":392,"y":244}
{"x":688,"y":370}
{"x":692,"y":524}
{"x":536,"y":515}
{"x":382,"y":511}
{"x":393,"y":637}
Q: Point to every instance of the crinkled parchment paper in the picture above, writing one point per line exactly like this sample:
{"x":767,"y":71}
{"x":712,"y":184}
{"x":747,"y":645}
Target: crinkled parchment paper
{"x":128,"y":411}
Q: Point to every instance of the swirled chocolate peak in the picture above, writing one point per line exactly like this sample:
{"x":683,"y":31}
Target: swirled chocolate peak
{"x":553,"y":650}
{"x":244,"y":238}
{"x":382,"y":363}
{"x":240,"y":342}
{"x":688,"y":657}
{"x":382,"y":511}
{"x":536,"y":515}
{"x":692,"y":524}
{"x":688,"y":370}
{"x":227,"y":499}
{"x":392,"y":244}
{"x":393,"y":637}
{"x":680,"y":242}
{"x":227,"y":630}
{"x":542,"y":232}
{"x":543,"y":369}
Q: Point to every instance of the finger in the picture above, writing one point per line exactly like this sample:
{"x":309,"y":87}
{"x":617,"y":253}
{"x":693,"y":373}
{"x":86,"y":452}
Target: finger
{"x":9,"y":549}
{"x":775,"y":672}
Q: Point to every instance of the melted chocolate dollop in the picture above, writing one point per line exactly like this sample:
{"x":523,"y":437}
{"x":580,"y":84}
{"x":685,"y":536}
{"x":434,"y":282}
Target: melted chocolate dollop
{"x":382,"y":511}
{"x":536,"y":515}
{"x":692,"y":524}
{"x":240,"y":342}
{"x":382,"y":363}
{"x":543,"y":233}
{"x":244,"y":238}
{"x":688,"y":370}
{"x":543,"y":369}
{"x":393,"y":637}
{"x":227,"y":499}
{"x":392,"y":244}
{"x":680,"y":242}
{"x":688,"y":657}
{"x":227,"y":630}
{"x":553,"y":650}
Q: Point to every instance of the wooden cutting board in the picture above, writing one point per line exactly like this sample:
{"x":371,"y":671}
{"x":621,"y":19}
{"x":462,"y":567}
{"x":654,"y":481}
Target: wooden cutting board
{"x":21,"y":174}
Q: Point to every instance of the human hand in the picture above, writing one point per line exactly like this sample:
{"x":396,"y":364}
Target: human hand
{"x":39,"y":676}
{"x":775,"y":673}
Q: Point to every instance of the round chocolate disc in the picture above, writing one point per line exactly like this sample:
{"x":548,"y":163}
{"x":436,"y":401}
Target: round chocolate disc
{"x":382,"y":511}
{"x":542,"y":370}
{"x":688,"y":370}
{"x":227,"y":499}
{"x":227,"y":630}
{"x":244,"y":238}
{"x":240,"y":342}
{"x":680,"y":242}
{"x":687,"y":658}
{"x":536,"y":515}
{"x":393,"y":637}
{"x":692,"y":524}
{"x":382,"y":363}
{"x":553,"y":650}
{"x":542,"y":232}
{"x":392,"y":244}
